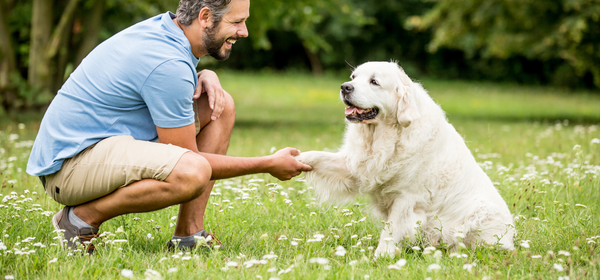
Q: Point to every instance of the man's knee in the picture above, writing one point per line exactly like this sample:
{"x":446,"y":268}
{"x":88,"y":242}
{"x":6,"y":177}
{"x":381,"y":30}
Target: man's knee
{"x":190,"y":176}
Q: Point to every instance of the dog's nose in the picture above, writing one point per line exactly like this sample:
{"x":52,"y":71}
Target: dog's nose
{"x":347,"y":88}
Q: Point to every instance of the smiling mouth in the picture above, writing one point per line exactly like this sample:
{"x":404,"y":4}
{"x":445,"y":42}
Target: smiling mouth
{"x":356,"y":114}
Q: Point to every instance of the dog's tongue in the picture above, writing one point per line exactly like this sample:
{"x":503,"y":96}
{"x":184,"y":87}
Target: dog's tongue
{"x":350,"y":110}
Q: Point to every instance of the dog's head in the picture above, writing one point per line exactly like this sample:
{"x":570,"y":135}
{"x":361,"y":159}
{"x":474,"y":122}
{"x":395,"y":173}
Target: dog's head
{"x":379,"y":90}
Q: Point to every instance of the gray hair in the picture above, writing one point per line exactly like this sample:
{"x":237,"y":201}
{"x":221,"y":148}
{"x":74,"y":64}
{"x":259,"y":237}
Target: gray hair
{"x":188,"y":10}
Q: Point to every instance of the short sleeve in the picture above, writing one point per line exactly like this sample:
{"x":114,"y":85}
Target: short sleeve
{"x":168,"y":93}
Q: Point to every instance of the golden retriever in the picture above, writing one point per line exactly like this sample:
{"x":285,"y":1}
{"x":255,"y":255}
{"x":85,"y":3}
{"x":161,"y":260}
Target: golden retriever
{"x":400,"y":150}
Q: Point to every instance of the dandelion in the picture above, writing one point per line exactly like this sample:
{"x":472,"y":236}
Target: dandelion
{"x":558,"y":267}
{"x":398,"y":265}
{"x":127,"y":273}
{"x":434,"y":266}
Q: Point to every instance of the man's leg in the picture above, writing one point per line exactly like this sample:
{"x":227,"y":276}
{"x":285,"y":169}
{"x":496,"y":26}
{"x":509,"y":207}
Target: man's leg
{"x":213,"y":138}
{"x":188,"y":179}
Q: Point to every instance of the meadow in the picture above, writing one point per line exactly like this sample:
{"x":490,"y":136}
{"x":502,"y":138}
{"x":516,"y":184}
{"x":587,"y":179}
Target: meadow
{"x":540,"y":146}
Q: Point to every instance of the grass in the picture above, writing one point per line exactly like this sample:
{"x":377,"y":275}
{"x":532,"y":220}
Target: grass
{"x":546,"y":168}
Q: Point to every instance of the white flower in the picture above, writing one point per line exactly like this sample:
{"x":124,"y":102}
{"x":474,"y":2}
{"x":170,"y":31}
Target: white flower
{"x":416,"y":248}
{"x":186,"y":258}
{"x":468,"y":266}
{"x":352,"y":262}
{"x":294,"y":243}
{"x":595,"y":141}
{"x":231,"y":264}
{"x":319,"y":260}
{"x":120,"y":230}
{"x":398,"y":265}
{"x":53,"y":260}
{"x":536,"y":257}
{"x":564,"y":253}
{"x":434,"y":266}
{"x":127,"y":273}
{"x":269,"y":256}
{"x":525,"y":243}
{"x":7,"y":277}
{"x":282,"y":237}
{"x":558,"y":267}
{"x":172,"y":270}
{"x":152,"y":275}
{"x":428,"y":250}
{"x":340,"y":251}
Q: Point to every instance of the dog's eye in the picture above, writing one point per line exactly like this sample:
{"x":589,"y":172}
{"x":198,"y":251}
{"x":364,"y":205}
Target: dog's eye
{"x":374,"y":82}
{"x":352,"y":77}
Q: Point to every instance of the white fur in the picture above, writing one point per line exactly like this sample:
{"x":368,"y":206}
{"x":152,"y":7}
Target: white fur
{"x":416,"y":168}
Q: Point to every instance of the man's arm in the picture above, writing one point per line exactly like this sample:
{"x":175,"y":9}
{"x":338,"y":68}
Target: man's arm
{"x":281,"y":165}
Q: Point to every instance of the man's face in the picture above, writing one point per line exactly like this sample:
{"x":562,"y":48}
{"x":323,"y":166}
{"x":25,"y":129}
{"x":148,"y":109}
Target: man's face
{"x":219,"y":39}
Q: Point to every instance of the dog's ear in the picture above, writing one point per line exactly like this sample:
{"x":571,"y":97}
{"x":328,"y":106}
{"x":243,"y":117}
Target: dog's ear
{"x":407,"y":107}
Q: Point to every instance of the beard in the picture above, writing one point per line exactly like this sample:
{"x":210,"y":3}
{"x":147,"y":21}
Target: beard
{"x":214,"y":45}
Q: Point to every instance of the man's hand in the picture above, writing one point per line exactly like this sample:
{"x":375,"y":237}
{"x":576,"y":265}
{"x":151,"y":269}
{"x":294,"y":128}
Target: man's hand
{"x":284,"y":166}
{"x":208,"y":82}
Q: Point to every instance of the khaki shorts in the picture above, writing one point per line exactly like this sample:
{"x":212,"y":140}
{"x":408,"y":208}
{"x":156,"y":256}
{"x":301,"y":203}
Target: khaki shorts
{"x":110,"y":164}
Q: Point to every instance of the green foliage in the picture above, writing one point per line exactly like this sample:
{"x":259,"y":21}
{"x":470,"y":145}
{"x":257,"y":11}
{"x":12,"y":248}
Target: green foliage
{"x":564,"y":30}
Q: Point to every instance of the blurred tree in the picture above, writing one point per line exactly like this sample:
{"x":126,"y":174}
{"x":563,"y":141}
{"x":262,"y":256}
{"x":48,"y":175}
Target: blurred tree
{"x":313,"y":21}
{"x":564,"y":30}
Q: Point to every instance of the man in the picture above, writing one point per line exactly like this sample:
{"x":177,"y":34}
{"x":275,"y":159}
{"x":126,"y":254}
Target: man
{"x":96,"y":151}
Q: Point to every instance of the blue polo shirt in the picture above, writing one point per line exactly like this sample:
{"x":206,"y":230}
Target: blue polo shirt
{"x":142,"y":77}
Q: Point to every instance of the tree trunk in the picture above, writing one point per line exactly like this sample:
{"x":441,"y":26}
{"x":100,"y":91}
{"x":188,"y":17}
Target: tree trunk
{"x":8,"y":60}
{"x":92,"y":29}
{"x":39,"y":72}
{"x":315,"y":61}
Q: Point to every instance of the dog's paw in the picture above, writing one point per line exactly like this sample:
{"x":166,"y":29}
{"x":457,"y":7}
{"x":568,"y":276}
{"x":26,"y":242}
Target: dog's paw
{"x":311,"y":158}
{"x":386,"y":249}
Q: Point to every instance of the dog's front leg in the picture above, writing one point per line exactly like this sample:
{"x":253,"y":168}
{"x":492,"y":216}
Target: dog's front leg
{"x":401,"y":223}
{"x":330,"y":176}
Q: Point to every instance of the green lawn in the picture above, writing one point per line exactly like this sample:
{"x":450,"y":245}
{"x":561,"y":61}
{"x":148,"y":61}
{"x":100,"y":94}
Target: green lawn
{"x":539,"y":145}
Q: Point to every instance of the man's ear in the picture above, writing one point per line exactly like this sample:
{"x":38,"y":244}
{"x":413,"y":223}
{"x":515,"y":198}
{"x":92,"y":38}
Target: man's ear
{"x":205,"y":18}
{"x":407,"y":107}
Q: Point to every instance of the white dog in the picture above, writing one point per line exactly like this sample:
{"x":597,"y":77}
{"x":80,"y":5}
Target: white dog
{"x":400,"y":150}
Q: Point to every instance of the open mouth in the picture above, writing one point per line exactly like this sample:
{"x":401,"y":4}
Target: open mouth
{"x":355,"y":114}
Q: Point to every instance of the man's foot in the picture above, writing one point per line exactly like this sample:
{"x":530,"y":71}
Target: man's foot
{"x":202,"y":238}
{"x":72,"y":234}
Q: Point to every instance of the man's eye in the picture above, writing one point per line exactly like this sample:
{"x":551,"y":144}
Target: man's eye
{"x":374,"y":82}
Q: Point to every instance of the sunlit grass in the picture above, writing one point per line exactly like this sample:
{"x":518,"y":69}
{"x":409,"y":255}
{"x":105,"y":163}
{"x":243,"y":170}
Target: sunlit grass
{"x":547,"y":170}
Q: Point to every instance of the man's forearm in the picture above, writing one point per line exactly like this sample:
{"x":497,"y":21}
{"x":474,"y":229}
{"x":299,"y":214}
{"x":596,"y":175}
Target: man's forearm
{"x":224,"y":167}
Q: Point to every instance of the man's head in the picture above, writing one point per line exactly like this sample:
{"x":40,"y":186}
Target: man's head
{"x":221,"y":23}
{"x":189,"y":10}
